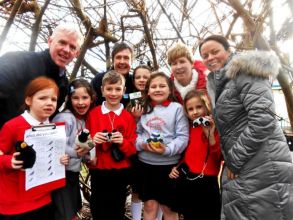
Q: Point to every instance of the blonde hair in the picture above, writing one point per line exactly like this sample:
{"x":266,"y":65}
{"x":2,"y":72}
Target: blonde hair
{"x":177,"y":51}
{"x":202,"y":95}
{"x":113,"y":77}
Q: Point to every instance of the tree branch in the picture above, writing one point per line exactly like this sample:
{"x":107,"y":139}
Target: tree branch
{"x":171,"y":22}
{"x":9,"y":22}
{"x":36,"y":26}
{"x":88,"y":39}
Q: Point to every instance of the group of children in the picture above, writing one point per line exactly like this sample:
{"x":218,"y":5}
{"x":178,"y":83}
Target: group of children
{"x":170,"y":173}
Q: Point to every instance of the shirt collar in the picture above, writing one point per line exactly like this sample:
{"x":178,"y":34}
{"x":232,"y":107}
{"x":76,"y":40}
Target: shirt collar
{"x":118,"y":111}
{"x":31,"y":120}
{"x":164,"y":103}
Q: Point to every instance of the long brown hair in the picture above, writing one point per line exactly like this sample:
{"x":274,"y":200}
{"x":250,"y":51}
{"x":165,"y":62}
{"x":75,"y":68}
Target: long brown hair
{"x":202,"y":95}
{"x":147,"y":107}
{"x":75,"y":84}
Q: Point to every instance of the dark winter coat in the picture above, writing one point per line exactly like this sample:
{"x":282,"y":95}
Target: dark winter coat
{"x":252,"y":142}
{"x":17,"y":69}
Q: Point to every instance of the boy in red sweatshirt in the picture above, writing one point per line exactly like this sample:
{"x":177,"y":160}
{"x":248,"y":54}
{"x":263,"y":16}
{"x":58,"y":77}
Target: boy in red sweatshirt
{"x":113,"y":130}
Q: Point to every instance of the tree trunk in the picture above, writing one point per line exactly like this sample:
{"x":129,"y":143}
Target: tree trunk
{"x":36,"y":26}
{"x":5,"y":31}
{"x":88,"y":40}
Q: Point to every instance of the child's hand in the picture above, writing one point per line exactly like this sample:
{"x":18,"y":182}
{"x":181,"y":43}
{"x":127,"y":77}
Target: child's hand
{"x":154,"y":148}
{"x":209,"y":131}
{"x":64,"y":159}
{"x":1,"y":152}
{"x":16,"y":164}
{"x":80,"y":151}
{"x":158,"y":149}
{"x":137,"y":111}
{"x":100,"y":138}
{"x":174,"y":173}
{"x":92,"y":162}
{"x":117,"y":137}
{"x":231,"y":175}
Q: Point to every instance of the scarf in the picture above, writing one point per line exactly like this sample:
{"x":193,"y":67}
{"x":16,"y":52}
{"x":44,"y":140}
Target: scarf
{"x":183,"y":90}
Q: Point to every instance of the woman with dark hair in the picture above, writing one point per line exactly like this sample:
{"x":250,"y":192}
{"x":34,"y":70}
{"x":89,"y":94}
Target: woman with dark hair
{"x":258,"y":173}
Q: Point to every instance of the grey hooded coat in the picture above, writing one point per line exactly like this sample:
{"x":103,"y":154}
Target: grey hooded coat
{"x":252,"y":142}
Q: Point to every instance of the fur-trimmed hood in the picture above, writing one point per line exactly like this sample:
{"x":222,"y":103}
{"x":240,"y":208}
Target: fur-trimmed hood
{"x":256,"y":63}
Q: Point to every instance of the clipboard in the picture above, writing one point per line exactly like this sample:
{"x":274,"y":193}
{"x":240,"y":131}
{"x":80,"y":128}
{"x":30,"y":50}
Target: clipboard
{"x":44,"y":127}
{"x":49,"y":141}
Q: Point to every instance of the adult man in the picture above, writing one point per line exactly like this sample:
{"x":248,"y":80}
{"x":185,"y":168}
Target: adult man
{"x":121,"y":57}
{"x":18,"y":68}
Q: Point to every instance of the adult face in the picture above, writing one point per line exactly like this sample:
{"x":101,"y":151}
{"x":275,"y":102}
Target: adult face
{"x":182,"y":70}
{"x":122,"y":61}
{"x":63,"y":48}
{"x":214,"y":55}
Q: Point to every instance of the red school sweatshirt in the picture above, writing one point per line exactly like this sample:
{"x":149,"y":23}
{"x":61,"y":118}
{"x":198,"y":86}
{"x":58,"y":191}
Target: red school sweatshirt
{"x":13,"y":197}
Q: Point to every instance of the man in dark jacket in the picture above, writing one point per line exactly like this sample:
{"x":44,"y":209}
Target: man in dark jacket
{"x":17,"y":69}
{"x":122,"y":55}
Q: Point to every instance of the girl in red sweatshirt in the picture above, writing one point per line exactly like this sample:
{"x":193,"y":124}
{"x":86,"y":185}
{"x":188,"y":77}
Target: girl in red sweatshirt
{"x":16,"y":203}
{"x":198,"y":193}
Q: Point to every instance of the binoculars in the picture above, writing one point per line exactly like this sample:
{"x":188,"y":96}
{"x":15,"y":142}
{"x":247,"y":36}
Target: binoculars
{"x":201,"y":121}
{"x":116,"y":153}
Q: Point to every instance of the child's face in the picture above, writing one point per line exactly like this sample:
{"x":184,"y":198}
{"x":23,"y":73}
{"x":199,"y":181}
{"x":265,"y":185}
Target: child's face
{"x":159,"y":90}
{"x":81,"y":101}
{"x":113,"y":94}
{"x":140,"y":78}
{"x":42,"y":104}
{"x":195,"y":108}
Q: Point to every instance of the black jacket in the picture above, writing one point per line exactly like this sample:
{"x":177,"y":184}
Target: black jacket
{"x":17,"y":69}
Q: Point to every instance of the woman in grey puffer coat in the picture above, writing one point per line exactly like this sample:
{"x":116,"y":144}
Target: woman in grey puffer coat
{"x":257,"y":181}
